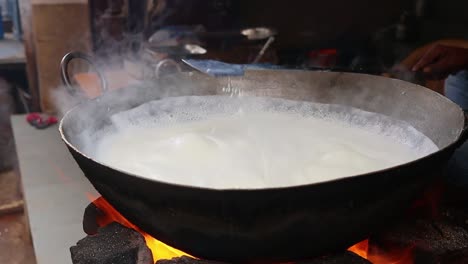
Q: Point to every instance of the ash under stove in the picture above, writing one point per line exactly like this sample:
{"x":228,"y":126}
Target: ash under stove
{"x":435,"y":230}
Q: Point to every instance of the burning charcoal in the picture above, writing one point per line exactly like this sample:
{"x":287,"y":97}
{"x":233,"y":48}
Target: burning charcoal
{"x":91,"y":214}
{"x":113,"y":243}
{"x":430,"y":239}
{"x":345,"y":257}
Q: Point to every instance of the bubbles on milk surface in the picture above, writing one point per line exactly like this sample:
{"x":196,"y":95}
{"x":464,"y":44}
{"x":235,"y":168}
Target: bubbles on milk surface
{"x":254,"y":142}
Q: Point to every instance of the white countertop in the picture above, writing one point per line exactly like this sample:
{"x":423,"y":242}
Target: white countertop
{"x":55,"y":191}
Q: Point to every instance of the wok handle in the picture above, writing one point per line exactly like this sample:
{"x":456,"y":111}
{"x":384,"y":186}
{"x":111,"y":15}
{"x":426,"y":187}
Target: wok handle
{"x":161,"y":64}
{"x":64,"y":70}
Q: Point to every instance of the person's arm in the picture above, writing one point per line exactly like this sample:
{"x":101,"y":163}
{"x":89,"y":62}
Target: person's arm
{"x":414,"y":57}
{"x":443,"y":60}
{"x":438,"y":59}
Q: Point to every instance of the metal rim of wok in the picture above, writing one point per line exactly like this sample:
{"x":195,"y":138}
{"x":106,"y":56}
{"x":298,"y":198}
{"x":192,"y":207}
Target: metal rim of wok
{"x":285,"y":223}
{"x":463,"y":137}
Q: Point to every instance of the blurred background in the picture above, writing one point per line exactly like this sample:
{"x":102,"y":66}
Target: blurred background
{"x":362,"y":35}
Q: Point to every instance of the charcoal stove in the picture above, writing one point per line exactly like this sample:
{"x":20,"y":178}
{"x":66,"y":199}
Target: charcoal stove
{"x":435,"y":230}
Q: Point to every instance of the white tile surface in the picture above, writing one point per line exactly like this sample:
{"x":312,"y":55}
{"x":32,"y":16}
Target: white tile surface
{"x":54,"y":189}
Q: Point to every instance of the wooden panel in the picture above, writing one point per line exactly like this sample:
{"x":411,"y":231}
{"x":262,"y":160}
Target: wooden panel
{"x":29,"y":49}
{"x":58,"y":29}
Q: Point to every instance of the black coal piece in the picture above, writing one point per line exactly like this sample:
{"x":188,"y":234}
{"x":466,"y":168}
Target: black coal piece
{"x":90,"y":217}
{"x":113,"y":243}
{"x":439,"y":240}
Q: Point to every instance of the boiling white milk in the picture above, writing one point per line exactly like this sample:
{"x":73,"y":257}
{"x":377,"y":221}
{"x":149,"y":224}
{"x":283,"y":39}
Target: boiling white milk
{"x":256,"y":150}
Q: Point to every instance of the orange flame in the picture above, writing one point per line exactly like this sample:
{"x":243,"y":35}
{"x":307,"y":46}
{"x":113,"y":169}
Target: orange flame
{"x":361,"y":248}
{"x":158,"y":249}
{"x":377,"y":256}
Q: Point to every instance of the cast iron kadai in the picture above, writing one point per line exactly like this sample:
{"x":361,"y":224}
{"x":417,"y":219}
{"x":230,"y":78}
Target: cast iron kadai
{"x":273,"y":224}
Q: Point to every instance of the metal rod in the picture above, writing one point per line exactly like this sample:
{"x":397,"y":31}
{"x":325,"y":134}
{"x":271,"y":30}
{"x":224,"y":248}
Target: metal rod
{"x":264,"y":48}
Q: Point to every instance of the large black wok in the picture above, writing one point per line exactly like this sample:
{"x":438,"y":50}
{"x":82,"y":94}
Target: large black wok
{"x":276,"y":224}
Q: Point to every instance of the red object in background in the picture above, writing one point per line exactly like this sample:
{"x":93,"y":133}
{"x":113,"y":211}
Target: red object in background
{"x":429,"y":204}
{"x":324,"y":58}
{"x":40,"y":121}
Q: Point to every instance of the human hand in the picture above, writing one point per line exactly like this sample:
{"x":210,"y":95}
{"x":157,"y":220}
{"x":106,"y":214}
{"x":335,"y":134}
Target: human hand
{"x":439,"y":61}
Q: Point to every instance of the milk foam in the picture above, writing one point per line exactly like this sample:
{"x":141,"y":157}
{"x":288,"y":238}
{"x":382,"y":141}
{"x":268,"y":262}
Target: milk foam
{"x":252,"y":143}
